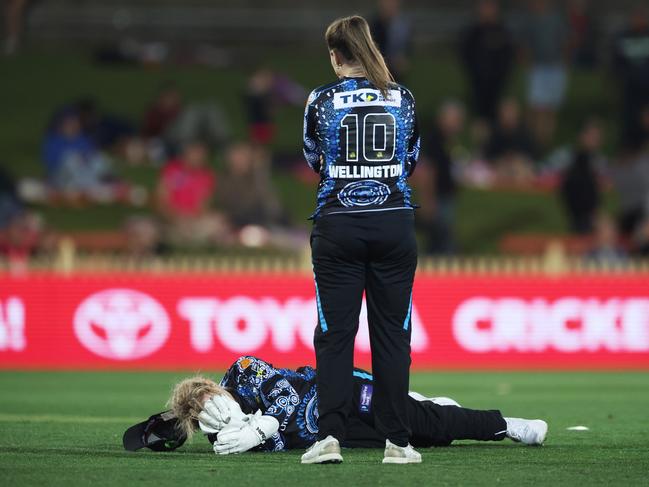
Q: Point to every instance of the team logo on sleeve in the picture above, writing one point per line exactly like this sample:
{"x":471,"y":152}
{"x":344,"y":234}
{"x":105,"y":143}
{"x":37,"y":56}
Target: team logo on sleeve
{"x":366,"y":97}
{"x":364,"y":193}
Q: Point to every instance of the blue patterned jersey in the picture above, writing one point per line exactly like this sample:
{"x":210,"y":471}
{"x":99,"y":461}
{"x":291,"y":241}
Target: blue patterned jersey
{"x":363,"y":145}
{"x":288,"y":395}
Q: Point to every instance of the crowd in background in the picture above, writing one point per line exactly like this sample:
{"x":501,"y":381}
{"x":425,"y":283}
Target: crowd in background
{"x":513,"y":142}
{"x":489,"y":140}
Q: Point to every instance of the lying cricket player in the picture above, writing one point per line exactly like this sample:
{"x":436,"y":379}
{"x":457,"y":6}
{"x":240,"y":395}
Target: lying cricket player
{"x":258,"y":407}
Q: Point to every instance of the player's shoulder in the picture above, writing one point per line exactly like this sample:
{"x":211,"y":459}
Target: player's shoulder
{"x":323,"y":90}
{"x":405,"y":92}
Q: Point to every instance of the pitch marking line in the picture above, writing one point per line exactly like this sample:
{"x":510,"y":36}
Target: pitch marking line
{"x":62,"y":418}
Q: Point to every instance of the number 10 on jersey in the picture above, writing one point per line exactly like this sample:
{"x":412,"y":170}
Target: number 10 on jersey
{"x":376,"y":133}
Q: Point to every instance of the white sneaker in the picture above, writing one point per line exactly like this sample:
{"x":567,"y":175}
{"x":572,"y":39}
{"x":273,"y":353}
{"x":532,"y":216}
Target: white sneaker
{"x":527,"y":431}
{"x":440,"y":401}
{"x":323,"y":451}
{"x":400,"y":454}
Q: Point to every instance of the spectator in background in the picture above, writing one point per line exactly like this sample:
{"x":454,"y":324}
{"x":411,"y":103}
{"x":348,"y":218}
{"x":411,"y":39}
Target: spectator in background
{"x":108,"y":132}
{"x":10,"y":204}
{"x":205,"y":121}
{"x":162,"y":112}
{"x":487,"y":53}
{"x":392,"y":32}
{"x":510,"y":148}
{"x":267,"y":90}
{"x":545,"y":37}
{"x":632,"y":67}
{"x":158,"y":118}
{"x":143,"y":238}
{"x":259,"y":101}
{"x":439,"y":149}
{"x":251,"y":202}
{"x":74,"y":166}
{"x":583,"y":34}
{"x":631,"y":180}
{"x":21,"y":232}
{"x":247,"y":195}
{"x":640,"y":242}
{"x":185,"y":192}
{"x":606,"y":246}
{"x":580,"y":187}
{"x":14,"y":13}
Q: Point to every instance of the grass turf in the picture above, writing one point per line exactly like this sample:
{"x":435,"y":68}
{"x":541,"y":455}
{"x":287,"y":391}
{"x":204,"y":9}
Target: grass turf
{"x":64,"y":428}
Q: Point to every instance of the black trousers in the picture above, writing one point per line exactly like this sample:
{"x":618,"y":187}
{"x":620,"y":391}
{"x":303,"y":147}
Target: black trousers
{"x":432,"y":425}
{"x":375,"y":254}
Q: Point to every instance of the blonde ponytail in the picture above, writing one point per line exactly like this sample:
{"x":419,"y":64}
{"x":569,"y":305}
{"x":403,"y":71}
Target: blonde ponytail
{"x":351,"y":37}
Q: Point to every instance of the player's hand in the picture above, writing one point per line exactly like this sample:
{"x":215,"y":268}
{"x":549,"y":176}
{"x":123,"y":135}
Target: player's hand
{"x":238,"y":439}
{"x":218,"y":412}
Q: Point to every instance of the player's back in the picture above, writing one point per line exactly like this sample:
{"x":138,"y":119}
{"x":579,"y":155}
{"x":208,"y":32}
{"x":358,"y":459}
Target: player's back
{"x":363,"y":144}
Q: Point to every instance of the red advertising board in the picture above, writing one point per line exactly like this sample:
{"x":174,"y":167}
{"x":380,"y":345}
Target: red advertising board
{"x":205,"y":321}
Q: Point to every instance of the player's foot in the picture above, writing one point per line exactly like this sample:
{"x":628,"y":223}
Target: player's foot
{"x":400,"y":454}
{"x":440,"y":401}
{"x":323,"y":451}
{"x":527,"y":431}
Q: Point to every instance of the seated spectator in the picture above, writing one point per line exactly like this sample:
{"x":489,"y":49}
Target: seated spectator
{"x":143,"y":237}
{"x":247,"y":194}
{"x":73,"y":163}
{"x":205,"y":121}
{"x":606,"y":247}
{"x":21,"y":232}
{"x":107,"y":131}
{"x":162,"y":111}
{"x":580,"y":187}
{"x":185,"y":192}
{"x":158,"y":118}
{"x":510,"y":148}
{"x":251,"y":203}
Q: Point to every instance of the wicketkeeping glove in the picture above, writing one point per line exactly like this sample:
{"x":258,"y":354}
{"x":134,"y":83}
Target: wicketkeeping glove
{"x":218,"y":412}
{"x":255,"y":430}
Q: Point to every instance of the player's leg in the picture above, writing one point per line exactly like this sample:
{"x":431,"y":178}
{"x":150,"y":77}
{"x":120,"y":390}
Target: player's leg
{"x":339,"y":271}
{"x":390,"y":275}
{"x":436,"y":425}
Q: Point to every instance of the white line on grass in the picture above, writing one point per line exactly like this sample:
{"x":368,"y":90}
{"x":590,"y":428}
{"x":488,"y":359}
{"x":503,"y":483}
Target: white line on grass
{"x":62,"y":418}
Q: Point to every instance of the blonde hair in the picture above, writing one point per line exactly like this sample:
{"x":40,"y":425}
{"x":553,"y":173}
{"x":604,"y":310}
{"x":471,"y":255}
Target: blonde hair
{"x":187,"y":399}
{"x":351,"y":37}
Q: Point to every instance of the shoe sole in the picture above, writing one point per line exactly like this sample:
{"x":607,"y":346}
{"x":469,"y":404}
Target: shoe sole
{"x":400,"y":461}
{"x":331,"y":458}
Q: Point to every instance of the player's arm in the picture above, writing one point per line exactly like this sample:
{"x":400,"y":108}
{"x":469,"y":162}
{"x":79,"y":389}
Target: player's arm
{"x":256,"y":375}
{"x":413,"y":144}
{"x":311,"y":148}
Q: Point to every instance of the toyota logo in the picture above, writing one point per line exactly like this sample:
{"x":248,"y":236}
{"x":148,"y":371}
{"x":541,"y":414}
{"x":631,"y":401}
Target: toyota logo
{"x":121,"y":324}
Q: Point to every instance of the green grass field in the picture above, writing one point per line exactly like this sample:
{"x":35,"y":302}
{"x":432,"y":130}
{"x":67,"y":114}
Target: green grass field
{"x":65,"y":428}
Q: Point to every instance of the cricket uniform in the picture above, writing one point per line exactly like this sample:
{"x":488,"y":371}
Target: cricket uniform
{"x":364,"y":146}
{"x":291,"y":397}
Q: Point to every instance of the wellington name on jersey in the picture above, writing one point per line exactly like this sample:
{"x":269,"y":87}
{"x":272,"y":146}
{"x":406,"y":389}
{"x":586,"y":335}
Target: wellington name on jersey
{"x":364,"y":146}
